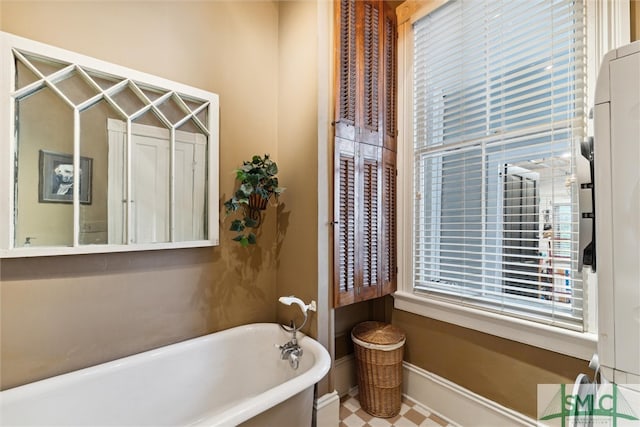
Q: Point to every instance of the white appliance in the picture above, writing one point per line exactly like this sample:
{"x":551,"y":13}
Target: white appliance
{"x":616,"y":166}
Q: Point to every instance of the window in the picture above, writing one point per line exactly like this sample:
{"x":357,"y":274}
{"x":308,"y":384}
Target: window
{"x":498,"y":107}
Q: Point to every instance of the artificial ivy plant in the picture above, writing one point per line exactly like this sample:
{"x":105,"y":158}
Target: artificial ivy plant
{"x":258,"y":185}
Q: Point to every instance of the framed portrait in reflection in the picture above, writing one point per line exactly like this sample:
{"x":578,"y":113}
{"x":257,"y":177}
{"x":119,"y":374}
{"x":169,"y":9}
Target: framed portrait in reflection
{"x":55,"y":183}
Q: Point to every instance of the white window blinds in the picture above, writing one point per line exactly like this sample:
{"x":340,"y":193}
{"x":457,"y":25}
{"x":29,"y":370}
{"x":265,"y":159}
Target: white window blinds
{"x":498,"y":109}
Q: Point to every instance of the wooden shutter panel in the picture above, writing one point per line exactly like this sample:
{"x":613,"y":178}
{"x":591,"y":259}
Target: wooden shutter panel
{"x":345,"y":120}
{"x":371,"y":66}
{"x":365,"y":121}
{"x":370,"y":219}
{"x":389,"y":226}
{"x":390,"y":78}
{"x":345,"y":201}
{"x":369,"y":120}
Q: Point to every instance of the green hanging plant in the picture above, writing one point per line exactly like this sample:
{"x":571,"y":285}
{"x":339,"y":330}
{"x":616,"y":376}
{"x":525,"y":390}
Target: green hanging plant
{"x":258,"y":185}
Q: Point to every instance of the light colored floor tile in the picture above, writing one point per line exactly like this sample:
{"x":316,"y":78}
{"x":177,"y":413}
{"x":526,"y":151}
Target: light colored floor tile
{"x":353,"y":421}
{"x":404,"y":408}
{"x":403,"y":422}
{"x":352,"y":404}
{"x":411,"y":414}
{"x":379,"y":422}
{"x":429,"y":423}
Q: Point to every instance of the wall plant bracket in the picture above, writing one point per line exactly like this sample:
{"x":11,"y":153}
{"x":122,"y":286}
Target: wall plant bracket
{"x":258,"y":185}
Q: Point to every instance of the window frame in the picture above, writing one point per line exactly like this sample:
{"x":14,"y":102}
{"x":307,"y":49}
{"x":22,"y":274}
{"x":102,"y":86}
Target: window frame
{"x":608,"y":26}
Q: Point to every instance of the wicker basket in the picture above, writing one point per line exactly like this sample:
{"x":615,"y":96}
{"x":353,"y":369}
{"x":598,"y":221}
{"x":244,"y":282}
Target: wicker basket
{"x":379,"y":349}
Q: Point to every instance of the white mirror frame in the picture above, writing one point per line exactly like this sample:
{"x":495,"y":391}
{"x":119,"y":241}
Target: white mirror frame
{"x":8,"y":42}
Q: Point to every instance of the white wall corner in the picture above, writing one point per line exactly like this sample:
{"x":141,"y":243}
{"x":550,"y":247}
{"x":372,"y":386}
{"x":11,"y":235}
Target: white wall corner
{"x":327,"y":410}
{"x":345,"y":374}
{"x":455,"y":403}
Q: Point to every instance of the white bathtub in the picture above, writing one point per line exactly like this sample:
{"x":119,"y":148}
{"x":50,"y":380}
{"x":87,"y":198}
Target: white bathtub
{"x":228,"y":378}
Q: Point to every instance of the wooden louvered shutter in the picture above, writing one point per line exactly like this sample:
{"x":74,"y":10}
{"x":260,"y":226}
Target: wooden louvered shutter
{"x":365,"y":121}
{"x":345,"y":208}
{"x":390,"y":78}
{"x":389,"y":226}
{"x":369,"y":186}
{"x":345,"y":111}
{"x":369,"y":119}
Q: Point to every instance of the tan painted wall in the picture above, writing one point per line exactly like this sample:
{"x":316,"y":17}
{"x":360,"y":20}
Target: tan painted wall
{"x":499,"y":369}
{"x":298,"y":157}
{"x":635,"y":20}
{"x":63,"y":313}
{"x":302,"y":114}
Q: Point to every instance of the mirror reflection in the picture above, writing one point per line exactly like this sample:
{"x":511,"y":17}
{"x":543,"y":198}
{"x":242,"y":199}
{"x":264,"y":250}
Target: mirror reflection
{"x":45,"y":136}
{"x":537,"y":227}
{"x":140,"y":175}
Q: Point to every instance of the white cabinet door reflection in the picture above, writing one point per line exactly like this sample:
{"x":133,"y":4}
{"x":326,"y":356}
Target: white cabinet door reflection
{"x":190,"y":190}
{"x":150,"y":206}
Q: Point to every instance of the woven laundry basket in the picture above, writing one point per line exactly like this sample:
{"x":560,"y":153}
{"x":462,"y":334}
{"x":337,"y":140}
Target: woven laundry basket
{"x":379,"y":348}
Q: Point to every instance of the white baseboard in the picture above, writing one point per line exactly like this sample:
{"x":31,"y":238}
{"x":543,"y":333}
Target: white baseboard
{"x":445,"y":398}
{"x":327,"y":410}
{"x":456,"y":403}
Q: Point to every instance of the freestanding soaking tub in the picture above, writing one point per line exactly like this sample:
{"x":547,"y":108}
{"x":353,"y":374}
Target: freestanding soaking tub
{"x":232,"y":377}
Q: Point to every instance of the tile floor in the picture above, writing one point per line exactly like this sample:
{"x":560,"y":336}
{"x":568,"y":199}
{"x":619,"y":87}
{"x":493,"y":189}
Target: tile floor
{"x":411,"y":414}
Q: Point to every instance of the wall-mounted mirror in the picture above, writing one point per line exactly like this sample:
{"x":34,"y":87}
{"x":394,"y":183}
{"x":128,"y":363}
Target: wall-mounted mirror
{"x":101,"y":158}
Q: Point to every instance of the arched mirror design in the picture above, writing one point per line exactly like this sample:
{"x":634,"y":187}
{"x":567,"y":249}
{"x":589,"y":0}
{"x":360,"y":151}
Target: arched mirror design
{"x":101,"y":158}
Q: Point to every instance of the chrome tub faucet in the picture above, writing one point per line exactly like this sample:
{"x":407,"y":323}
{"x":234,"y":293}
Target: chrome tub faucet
{"x":291,"y":350}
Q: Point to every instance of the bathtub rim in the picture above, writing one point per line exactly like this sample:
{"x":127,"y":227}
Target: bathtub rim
{"x":251,"y":406}
{"x":259,"y":403}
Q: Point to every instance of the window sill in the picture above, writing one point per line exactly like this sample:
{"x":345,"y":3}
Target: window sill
{"x":576,"y":344}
